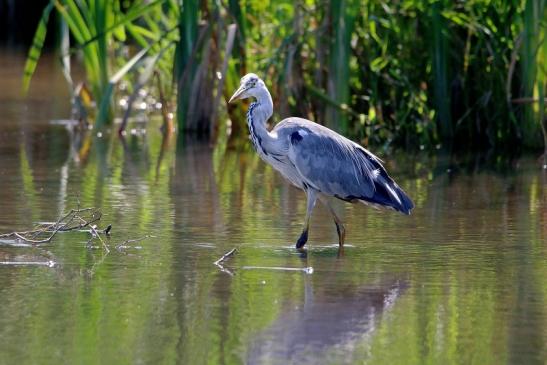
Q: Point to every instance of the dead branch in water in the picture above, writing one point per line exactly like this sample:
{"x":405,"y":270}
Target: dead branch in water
{"x":307,"y":270}
{"x":218,"y":263}
{"x":125,"y":243}
{"x":29,"y":263}
{"x":94,"y":233}
{"x":224,"y":257}
{"x":75,"y":220}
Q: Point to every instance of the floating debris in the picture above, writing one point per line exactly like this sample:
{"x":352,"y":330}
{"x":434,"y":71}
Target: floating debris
{"x":218,"y":262}
{"x":14,"y":243}
{"x":29,"y":263}
{"x":307,"y":270}
{"x":75,"y":220}
{"x":225,"y":256}
{"x":126,"y":244}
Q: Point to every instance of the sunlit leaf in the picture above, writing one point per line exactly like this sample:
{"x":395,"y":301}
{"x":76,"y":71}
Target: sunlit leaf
{"x":36,"y":47}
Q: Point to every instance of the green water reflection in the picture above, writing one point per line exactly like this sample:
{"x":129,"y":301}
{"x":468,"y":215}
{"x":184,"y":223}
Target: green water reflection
{"x":462,"y":280}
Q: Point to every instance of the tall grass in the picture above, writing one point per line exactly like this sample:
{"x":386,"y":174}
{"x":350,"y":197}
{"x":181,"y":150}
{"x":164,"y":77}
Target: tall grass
{"x":186,"y":54}
{"x":339,"y":58}
{"x":533,"y":70}
{"x":408,"y":73}
{"x":94,"y":25}
{"x":439,"y":68}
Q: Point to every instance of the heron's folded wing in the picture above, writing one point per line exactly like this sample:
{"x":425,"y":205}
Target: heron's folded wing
{"x":333,"y":164}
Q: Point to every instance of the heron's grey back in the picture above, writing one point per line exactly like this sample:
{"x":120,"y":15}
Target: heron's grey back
{"x":334,"y":165}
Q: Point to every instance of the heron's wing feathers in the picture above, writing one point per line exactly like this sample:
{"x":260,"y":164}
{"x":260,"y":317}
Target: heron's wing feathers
{"x":332,"y":163}
{"x":336,"y":166}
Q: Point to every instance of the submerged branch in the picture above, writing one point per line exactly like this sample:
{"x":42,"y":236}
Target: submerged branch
{"x":29,"y":263}
{"x":125,"y":243}
{"x":307,"y":270}
{"x":218,"y":262}
{"x":225,"y":256}
{"x":75,"y":220}
{"x":96,"y":234}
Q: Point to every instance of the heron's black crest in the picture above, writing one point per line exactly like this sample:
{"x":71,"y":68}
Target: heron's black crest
{"x":251,"y":82}
{"x":295,"y":137}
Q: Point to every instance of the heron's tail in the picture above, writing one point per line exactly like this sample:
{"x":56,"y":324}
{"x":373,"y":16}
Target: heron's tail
{"x":405,"y":204}
{"x":389,"y":195}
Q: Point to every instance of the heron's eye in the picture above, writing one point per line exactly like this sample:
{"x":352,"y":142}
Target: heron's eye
{"x":251,"y":83}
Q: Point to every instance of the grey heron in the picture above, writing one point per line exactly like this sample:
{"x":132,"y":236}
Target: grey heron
{"x":318,"y":160}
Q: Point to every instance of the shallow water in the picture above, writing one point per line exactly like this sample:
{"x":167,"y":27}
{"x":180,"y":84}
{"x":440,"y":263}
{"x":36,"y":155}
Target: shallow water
{"x":462,"y":280}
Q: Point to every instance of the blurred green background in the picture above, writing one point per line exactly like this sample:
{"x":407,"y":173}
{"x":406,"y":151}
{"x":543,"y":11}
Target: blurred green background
{"x":414,"y":74}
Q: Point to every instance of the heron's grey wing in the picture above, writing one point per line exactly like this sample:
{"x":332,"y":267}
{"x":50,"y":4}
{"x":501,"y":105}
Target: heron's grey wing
{"x":336,"y":166}
{"x":333,"y":164}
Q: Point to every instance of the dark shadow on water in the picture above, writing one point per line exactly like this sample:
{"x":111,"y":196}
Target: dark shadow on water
{"x":331,"y":321}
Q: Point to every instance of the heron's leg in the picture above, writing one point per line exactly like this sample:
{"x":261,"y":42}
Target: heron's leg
{"x":312,"y":198}
{"x":339,"y":225}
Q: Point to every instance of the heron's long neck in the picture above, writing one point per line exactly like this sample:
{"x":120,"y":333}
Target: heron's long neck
{"x":257,"y":116}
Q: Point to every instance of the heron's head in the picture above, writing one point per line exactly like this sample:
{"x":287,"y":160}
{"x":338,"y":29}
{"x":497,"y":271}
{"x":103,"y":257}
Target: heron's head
{"x":251,"y":85}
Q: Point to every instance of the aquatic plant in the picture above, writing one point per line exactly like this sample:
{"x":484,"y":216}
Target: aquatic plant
{"x":98,"y":28}
{"x":412,"y":73}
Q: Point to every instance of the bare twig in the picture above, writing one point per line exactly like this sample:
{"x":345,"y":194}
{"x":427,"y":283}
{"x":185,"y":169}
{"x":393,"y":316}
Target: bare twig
{"x":225,"y":256}
{"x":124,"y":243}
{"x":96,"y":234}
{"x":307,"y":270}
{"x":29,"y":240}
{"x":218,"y":262}
{"x":74,"y":220}
{"x":37,"y":263}
{"x":227,"y":271}
{"x":83,"y":222}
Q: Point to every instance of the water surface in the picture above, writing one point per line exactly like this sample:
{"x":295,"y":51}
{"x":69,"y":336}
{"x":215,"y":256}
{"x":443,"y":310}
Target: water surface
{"x":460,"y":281}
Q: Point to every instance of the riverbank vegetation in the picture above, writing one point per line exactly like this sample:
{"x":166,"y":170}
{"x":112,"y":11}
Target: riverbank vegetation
{"x":409,"y":73}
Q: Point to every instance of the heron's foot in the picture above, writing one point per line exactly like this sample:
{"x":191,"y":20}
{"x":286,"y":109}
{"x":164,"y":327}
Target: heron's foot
{"x":341,"y":233}
{"x":302,"y":252}
{"x":302,"y":240}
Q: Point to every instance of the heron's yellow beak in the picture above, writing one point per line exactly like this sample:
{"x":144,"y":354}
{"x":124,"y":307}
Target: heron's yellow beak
{"x":237,"y":94}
